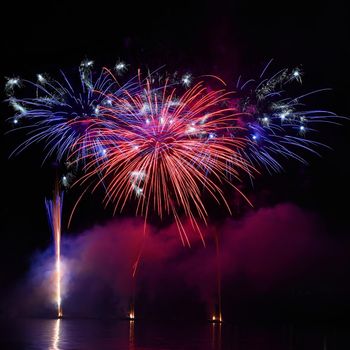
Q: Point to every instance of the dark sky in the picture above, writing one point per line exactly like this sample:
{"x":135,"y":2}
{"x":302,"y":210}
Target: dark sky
{"x":215,"y":37}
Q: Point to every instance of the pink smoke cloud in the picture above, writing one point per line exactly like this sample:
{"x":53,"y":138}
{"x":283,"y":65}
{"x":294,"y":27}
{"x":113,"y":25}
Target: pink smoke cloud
{"x":268,"y":249}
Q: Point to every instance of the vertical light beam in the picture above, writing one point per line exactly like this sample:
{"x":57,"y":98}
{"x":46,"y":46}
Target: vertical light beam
{"x":54,"y":213}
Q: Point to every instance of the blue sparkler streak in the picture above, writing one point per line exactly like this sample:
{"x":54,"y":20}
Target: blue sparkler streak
{"x":278,"y":127}
{"x":61,"y":113}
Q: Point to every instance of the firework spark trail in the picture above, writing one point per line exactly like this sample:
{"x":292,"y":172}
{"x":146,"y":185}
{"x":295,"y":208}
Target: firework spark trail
{"x":54,"y":212}
{"x":62,"y":110}
{"x":164,"y":150}
{"x":218,"y":317}
{"x":277,"y":126}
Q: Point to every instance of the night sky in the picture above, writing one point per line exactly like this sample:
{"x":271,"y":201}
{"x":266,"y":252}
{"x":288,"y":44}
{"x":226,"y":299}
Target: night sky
{"x":226,"y":38}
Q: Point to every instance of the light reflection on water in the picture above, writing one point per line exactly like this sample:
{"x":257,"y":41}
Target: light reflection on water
{"x":56,"y":335}
{"x":68,"y":334}
{"x":132,"y":335}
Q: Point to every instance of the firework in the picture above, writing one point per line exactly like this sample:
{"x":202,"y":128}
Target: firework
{"x":61,"y":110}
{"x":165,"y":144}
{"x":163,"y":141}
{"x":164,"y":149}
{"x":54,"y":212}
{"x":11,"y":84}
{"x":120,"y":67}
{"x":186,"y":79}
{"x":218,"y":317}
{"x":278,"y":126}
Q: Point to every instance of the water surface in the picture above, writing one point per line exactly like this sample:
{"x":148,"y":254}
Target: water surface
{"x":69,"y":334}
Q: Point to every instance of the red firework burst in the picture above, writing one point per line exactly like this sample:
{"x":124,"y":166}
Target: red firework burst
{"x":165,"y":150}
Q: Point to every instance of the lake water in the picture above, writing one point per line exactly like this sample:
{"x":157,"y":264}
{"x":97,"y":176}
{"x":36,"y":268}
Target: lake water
{"x":68,"y":334}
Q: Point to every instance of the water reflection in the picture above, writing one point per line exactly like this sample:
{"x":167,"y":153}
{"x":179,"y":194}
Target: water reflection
{"x":56,"y":335}
{"x":324,"y":343}
{"x":68,"y":334}
{"x":132,"y":335}
{"x":216,"y":329}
